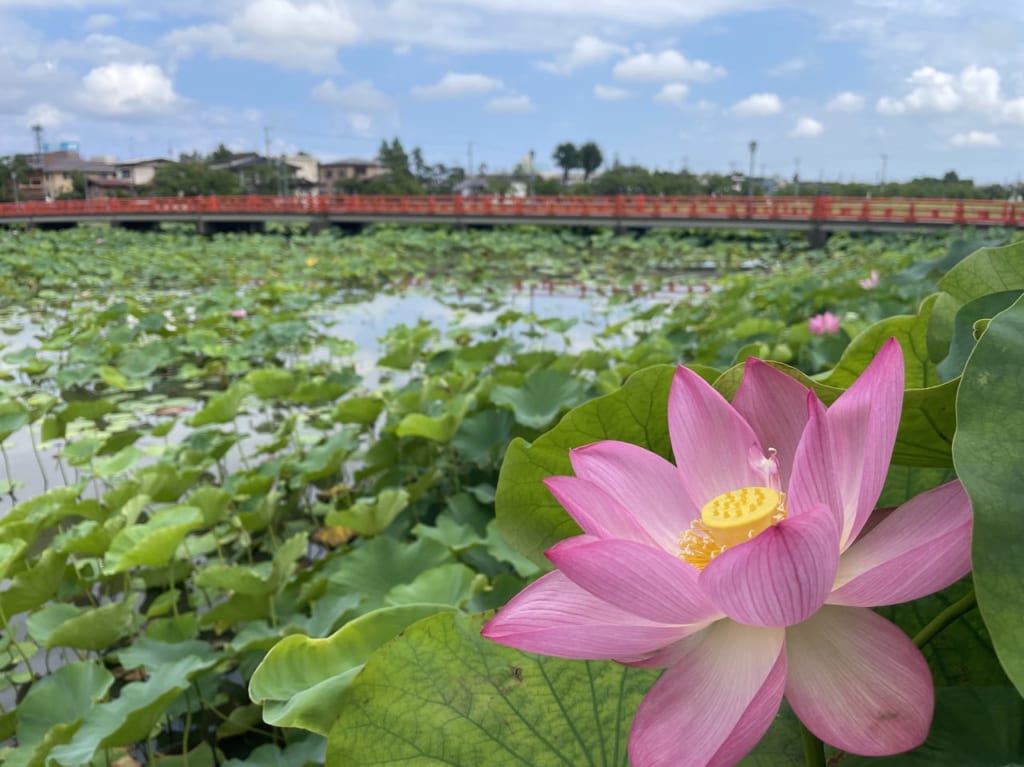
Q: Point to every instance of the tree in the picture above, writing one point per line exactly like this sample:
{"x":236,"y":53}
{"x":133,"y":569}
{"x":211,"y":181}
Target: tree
{"x":193,"y":178}
{"x":220,"y":153}
{"x":590,"y":158}
{"x":14,"y":171}
{"x":566,"y":157}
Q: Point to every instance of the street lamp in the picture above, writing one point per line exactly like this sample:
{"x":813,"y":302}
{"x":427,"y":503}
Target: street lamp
{"x":750,"y":179}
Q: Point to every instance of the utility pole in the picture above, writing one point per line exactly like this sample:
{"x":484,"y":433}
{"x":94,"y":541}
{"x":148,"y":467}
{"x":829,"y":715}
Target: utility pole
{"x":469,"y":156}
{"x":38,"y":130}
{"x":796,"y":175}
{"x":750,"y":178}
{"x":531,"y":153}
{"x":885,"y":161}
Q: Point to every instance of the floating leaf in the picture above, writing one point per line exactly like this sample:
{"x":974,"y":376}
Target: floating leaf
{"x":986,"y":452}
{"x":542,"y":397}
{"x":301,"y":680}
{"x":460,"y":700}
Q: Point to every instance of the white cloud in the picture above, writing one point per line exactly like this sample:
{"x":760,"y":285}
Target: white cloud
{"x":511,"y":105}
{"x":587,"y":50}
{"x":666,"y":65}
{"x":672,"y":93}
{"x":788,"y":67}
{"x":44,"y":114}
{"x":975,"y":138}
{"x":845,"y":101}
{"x":304,"y":35}
{"x":128,"y":90}
{"x":456,"y":84}
{"x":359,"y":96}
{"x":932,"y":91}
{"x":807,"y":127}
{"x":758,"y":105}
{"x":610,"y":93}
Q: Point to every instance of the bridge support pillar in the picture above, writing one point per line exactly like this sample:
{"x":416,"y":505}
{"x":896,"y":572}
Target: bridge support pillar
{"x":818,"y":237}
{"x":137,"y":226}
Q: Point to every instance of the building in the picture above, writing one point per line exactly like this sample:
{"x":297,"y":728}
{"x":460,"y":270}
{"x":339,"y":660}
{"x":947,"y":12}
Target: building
{"x":271,"y":175}
{"x":140,"y":172}
{"x":332,"y":175}
{"x":53,"y":175}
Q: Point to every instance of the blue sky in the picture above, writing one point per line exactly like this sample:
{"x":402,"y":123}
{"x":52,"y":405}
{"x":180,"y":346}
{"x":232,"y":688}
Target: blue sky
{"x":830,"y":86}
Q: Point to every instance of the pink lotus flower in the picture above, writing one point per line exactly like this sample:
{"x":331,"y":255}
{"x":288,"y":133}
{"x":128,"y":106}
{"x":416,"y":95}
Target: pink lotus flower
{"x":820,"y":324}
{"x":871,"y":282}
{"x":239,"y":314}
{"x":747,"y":569}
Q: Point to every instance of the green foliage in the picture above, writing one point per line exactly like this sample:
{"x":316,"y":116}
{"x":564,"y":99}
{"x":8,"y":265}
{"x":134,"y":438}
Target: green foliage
{"x":987,"y":440}
{"x":195,"y":490}
{"x":470,"y":702}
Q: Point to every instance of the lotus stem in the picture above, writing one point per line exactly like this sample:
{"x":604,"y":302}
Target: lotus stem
{"x":814,"y":749}
{"x":963,"y":605}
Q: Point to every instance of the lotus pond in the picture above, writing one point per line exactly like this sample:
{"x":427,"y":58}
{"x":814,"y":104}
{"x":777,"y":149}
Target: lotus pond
{"x":261,"y":492}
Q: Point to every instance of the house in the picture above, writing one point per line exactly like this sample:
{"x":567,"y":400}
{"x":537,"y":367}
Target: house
{"x":333,"y":174}
{"x":270,"y":175}
{"x":53,"y":175}
{"x":139,"y":172}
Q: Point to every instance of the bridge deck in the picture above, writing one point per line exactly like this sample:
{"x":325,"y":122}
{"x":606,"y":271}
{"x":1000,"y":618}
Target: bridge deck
{"x":794,"y":213}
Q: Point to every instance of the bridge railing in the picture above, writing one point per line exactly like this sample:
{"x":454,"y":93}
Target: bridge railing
{"x":820,"y":209}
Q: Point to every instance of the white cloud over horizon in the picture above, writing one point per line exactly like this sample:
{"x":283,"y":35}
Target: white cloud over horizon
{"x":666,"y":65}
{"x":454,"y":85}
{"x":758,"y":105}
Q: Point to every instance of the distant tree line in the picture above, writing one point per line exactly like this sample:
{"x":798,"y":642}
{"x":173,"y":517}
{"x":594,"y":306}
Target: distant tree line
{"x":410,"y":173}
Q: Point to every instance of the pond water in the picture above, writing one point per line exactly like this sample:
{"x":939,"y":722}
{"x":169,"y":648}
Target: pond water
{"x":583,"y":314}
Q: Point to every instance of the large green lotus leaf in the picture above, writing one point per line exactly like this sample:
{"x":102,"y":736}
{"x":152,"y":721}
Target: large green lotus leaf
{"x":542,"y":397}
{"x":442,"y":694}
{"x":963,"y":337}
{"x":165,"y":483}
{"x":153,"y":543}
{"x":482,"y":437}
{"x":529,"y":517}
{"x":13,"y":416}
{"x":301,"y":680}
{"x":61,"y":697}
{"x":11,"y":551}
{"x":380,"y":564}
{"x":912,"y":333}
{"x":241,"y":579}
{"x":113,"y":377}
{"x":129,"y":717}
{"x":95,"y":628}
{"x":973,"y":727}
{"x":153,"y":653}
{"x":223,"y":406}
{"x":986,"y":452}
{"x":120,"y":462}
{"x":35,"y":586}
{"x":451,"y":584}
{"x":437,"y":428}
{"x":986,"y":270}
{"x":360,"y":410}
{"x":271,"y":383}
{"x":371,"y":517}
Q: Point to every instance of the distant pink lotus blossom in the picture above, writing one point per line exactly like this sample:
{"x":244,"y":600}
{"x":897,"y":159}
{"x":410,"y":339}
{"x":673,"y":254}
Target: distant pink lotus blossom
{"x":820,"y":324}
{"x":870,"y":282}
{"x":745,"y":571}
{"x":239,"y":314}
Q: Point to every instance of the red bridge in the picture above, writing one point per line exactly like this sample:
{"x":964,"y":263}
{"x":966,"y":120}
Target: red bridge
{"x":821,"y":215}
